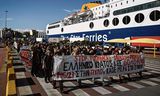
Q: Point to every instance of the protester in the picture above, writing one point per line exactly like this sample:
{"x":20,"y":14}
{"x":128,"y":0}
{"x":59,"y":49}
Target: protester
{"x":48,"y":64}
{"x":15,"y":45}
{"x":36,"y":60}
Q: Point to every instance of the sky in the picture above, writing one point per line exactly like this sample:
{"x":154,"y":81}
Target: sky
{"x":36,"y":14}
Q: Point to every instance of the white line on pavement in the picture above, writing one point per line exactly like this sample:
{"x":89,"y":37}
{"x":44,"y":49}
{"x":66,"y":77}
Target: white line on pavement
{"x":149,"y":82}
{"x":77,"y":92}
{"x":119,"y":87}
{"x":136,"y":85}
{"x":48,"y":88}
{"x":155,"y":79}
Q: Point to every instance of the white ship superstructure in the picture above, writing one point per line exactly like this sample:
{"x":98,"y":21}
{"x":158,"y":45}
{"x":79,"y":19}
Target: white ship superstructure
{"x":113,"y":19}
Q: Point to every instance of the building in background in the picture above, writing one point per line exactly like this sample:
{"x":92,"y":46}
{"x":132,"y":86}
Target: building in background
{"x":41,"y":34}
{"x":1,"y":35}
{"x":37,"y":35}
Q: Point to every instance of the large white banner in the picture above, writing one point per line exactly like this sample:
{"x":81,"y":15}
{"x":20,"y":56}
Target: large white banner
{"x":82,"y":67}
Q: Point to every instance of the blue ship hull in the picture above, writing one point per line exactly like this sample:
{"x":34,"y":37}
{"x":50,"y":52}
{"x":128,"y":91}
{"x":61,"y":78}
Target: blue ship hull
{"x":103,"y":35}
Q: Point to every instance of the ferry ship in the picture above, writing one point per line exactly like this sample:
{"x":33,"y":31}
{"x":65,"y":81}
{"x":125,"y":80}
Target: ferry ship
{"x":102,"y":21}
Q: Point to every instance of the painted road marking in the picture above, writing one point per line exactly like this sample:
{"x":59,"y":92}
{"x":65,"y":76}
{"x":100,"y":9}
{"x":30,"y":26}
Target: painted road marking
{"x":17,"y":67}
{"x":87,"y":81}
{"x":147,"y":73}
{"x":20,"y":75}
{"x":119,"y":87}
{"x":48,"y":88}
{"x":101,"y":90}
{"x":17,"y":61}
{"x":157,"y":72}
{"x":11,"y":87}
{"x":155,"y":79}
{"x":78,"y":92}
{"x":152,"y":68}
{"x":136,"y":85}
{"x":149,"y":82}
{"x":25,"y":90}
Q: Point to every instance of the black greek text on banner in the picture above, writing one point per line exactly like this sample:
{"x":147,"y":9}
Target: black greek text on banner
{"x":83,"y":67}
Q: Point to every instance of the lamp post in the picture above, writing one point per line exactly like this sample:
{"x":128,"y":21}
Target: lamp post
{"x":6,"y":18}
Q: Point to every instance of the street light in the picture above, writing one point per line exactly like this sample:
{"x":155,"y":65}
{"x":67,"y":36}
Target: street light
{"x":6,"y":18}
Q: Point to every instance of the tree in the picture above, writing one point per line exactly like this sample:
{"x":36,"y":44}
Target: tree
{"x":8,"y":33}
{"x":27,"y":34}
{"x":18,"y":34}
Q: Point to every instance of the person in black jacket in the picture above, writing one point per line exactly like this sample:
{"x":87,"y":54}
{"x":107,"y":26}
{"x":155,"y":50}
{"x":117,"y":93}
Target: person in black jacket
{"x":34,"y":70}
{"x":48,"y":65}
{"x":36,"y":60}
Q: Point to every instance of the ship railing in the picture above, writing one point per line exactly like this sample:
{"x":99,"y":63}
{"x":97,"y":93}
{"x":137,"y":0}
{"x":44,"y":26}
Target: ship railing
{"x":85,"y":20}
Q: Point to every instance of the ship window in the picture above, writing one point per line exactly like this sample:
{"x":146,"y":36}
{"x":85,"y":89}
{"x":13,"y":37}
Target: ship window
{"x":139,"y":18}
{"x":106,"y":23}
{"x":126,"y":20}
{"x":111,"y":6}
{"x":91,"y":25}
{"x":107,"y":5}
{"x":47,"y":32}
{"x":116,"y":5}
{"x":155,"y":15}
{"x":51,"y":27}
{"x":121,"y":3}
{"x":138,"y":7}
{"x":133,"y":0}
{"x":127,"y":2}
{"x":115,"y":21}
{"x":62,"y":29}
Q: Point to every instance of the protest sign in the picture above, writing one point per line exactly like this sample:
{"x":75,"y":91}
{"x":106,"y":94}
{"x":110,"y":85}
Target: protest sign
{"x":26,"y":56}
{"x":83,"y":67}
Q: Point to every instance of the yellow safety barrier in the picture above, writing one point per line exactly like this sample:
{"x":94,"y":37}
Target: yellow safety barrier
{"x":11,"y":70}
{"x":11,"y":85}
{"x":11,"y":88}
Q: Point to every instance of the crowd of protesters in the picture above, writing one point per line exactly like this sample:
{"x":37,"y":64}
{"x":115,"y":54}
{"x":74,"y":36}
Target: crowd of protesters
{"x":43,"y":53}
